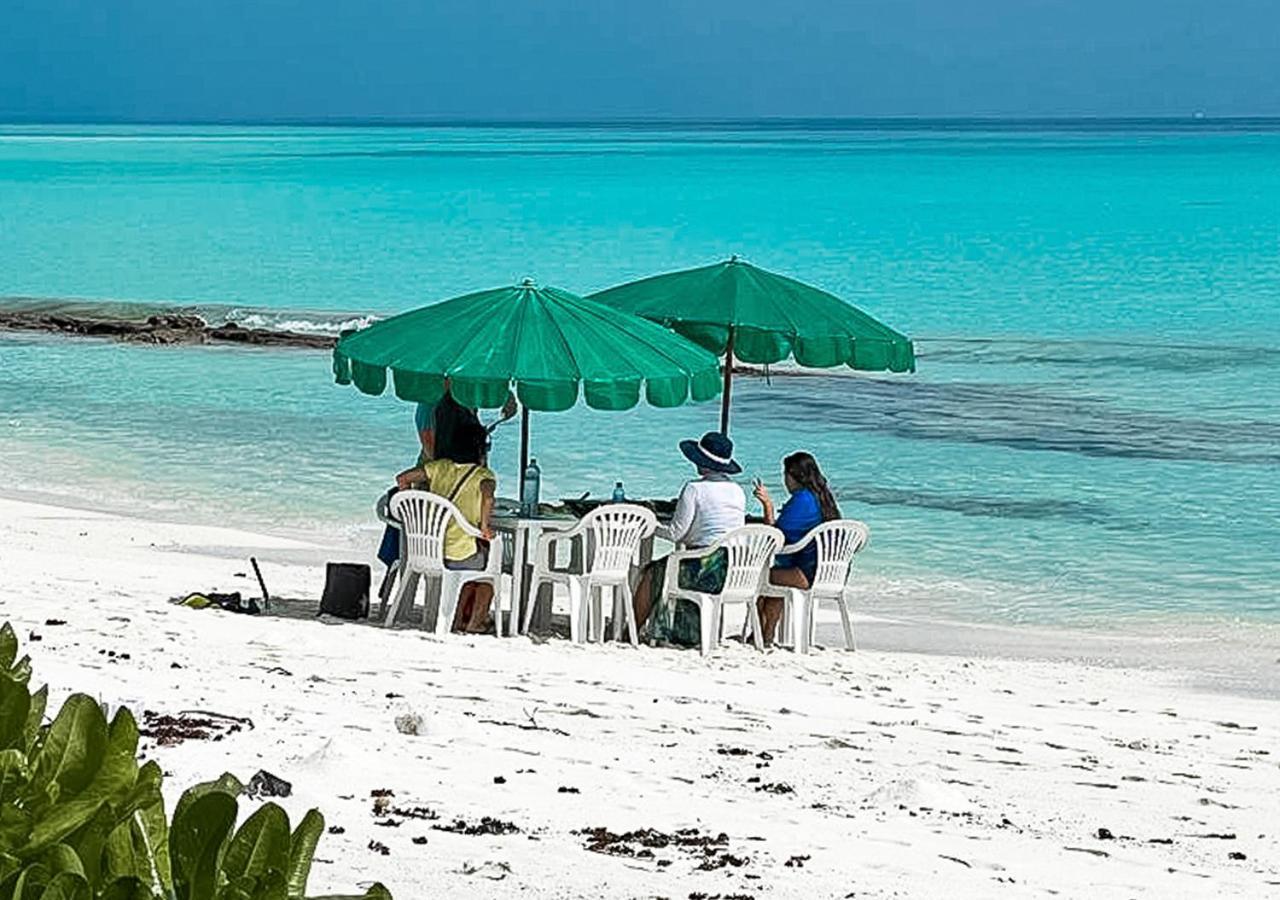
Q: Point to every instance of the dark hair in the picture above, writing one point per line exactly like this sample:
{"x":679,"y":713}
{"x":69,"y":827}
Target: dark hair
{"x":470,"y":443}
{"x":804,"y":471}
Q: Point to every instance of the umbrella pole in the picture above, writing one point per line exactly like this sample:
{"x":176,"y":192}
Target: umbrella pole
{"x":524,"y":447}
{"x":728,"y":384}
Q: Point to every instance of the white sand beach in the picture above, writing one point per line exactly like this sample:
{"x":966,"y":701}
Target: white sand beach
{"x":879,"y":773}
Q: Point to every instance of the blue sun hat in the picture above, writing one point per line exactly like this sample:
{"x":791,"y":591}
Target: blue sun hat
{"x":714,"y":453}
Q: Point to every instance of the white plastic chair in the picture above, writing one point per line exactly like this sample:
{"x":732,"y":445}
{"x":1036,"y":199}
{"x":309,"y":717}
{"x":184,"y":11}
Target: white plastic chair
{"x":751,"y":549}
{"x":838,"y":541}
{"x":613,"y":535}
{"x":382,"y":509}
{"x":424,"y":518}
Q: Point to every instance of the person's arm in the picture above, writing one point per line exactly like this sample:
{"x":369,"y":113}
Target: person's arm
{"x":427,"y":440}
{"x":409,"y":477}
{"x":762,"y":494}
{"x":509,"y":410}
{"x":488,"y":487}
{"x":419,"y":476}
{"x":681,"y":519}
{"x":424,"y":419}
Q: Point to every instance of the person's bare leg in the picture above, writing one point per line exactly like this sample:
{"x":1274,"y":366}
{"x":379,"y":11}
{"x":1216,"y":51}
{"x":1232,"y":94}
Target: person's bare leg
{"x":642,"y":599}
{"x":481,"y":600}
{"x":771,"y":607}
{"x":466,"y":600}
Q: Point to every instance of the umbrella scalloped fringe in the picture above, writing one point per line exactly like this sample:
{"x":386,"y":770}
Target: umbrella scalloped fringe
{"x":539,"y":396}
{"x":864,"y":354}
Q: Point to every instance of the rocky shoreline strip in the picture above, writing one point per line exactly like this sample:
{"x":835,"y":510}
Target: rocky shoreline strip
{"x":165,"y":328}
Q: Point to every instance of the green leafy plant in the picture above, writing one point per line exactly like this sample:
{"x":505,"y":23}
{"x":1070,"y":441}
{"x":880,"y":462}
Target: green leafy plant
{"x":81,"y":820}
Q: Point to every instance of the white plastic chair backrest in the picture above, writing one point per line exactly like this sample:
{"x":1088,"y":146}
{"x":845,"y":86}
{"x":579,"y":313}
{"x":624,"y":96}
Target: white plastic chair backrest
{"x":382,"y":509}
{"x":837,"y":541}
{"x":751,"y":549}
{"x":616,"y":531}
{"x":424,"y":519}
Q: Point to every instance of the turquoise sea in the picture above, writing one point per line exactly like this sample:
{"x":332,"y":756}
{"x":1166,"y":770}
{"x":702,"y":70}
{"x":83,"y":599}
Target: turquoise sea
{"x":1093,"y":432}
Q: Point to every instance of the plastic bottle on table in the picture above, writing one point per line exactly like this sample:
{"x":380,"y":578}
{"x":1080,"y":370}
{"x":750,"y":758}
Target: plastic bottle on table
{"x":619,"y":495}
{"x":532,"y":489}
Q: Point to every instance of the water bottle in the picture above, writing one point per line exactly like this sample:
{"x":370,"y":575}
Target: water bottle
{"x":532,"y":488}
{"x":619,"y":495}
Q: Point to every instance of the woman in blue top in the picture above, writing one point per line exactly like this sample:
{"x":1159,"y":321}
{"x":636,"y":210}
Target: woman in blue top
{"x":809,"y":505}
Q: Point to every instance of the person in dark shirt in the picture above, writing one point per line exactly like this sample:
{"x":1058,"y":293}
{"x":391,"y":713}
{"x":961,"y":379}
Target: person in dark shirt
{"x":439,"y":424}
{"x":810,"y":504}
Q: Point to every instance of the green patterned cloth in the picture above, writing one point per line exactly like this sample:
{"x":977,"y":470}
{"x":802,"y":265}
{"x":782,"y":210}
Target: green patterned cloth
{"x":678,"y":622}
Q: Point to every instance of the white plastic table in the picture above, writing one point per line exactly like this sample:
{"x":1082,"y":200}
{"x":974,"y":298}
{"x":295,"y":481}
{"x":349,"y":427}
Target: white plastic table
{"x":525,"y":532}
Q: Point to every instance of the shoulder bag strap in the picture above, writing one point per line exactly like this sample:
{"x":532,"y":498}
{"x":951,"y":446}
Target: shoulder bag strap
{"x":457,"y":488}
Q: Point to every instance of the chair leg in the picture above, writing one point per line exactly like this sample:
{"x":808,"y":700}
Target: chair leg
{"x":801,"y":605}
{"x":597,"y":614}
{"x":408,"y":587}
{"x":534,"y":586}
{"x":576,"y":609}
{"x":497,"y":605}
{"x":447,"y":605}
{"x":619,"y":594}
{"x":707,"y":615}
{"x":847,"y":621}
{"x":387,"y":587}
{"x":757,"y":630}
{"x":629,"y":614}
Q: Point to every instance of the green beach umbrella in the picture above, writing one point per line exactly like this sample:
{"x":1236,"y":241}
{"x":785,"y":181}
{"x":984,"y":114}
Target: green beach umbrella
{"x":743,"y":312}
{"x":550,"y":346}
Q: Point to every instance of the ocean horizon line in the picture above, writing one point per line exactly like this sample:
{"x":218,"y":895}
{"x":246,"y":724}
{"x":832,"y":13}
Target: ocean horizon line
{"x":781,"y":123}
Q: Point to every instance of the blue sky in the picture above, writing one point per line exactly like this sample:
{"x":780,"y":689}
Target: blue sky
{"x":289,"y":59}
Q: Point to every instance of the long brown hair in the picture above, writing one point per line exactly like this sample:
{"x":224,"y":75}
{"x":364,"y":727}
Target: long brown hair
{"x":804,"y":471}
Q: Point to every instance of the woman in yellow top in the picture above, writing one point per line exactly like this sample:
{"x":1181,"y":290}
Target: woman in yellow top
{"x":468,"y":483}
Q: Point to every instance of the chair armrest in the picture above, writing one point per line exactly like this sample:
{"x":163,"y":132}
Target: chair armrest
{"x":467,"y":527}
{"x":798,"y":545}
{"x":382,"y":509}
{"x":549,"y":538}
{"x":671,"y":582}
{"x":495,"y":552}
{"x":680,"y":556}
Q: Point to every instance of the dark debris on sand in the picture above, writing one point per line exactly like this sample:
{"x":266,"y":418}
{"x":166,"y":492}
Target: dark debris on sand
{"x":264,"y":784}
{"x":414,"y":812}
{"x":169,"y":731}
{"x":602,"y":840}
{"x":486,"y":825}
{"x":717,"y":858}
{"x":711,"y":851}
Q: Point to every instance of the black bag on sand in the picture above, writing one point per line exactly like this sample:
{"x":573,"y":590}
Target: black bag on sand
{"x":346,"y":591}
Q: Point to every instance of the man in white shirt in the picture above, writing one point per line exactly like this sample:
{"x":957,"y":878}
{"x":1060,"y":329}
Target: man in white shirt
{"x":709,"y":508}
